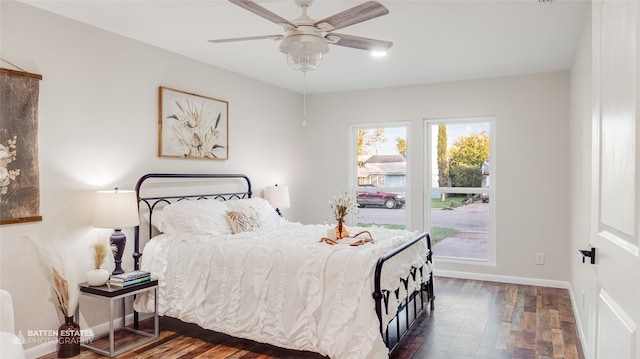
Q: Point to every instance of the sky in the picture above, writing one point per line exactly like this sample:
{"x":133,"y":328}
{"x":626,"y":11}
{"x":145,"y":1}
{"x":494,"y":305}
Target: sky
{"x":454,"y":131}
{"x":389,"y":147}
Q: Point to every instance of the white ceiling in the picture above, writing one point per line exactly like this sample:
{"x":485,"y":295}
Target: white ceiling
{"x":434,"y":41}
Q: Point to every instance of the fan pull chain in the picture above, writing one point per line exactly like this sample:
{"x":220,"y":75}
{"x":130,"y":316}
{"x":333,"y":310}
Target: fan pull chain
{"x":304,"y":98}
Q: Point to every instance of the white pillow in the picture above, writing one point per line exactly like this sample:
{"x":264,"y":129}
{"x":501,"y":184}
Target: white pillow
{"x":206,"y":216}
{"x":266,"y":213}
{"x":160,"y":221}
{"x":155,"y":227}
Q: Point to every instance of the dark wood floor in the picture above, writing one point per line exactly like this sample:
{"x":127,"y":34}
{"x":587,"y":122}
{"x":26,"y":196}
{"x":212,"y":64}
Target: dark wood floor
{"x":472,"y":319}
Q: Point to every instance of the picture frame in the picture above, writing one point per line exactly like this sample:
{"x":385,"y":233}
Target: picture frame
{"x":192,"y":126}
{"x":19,"y":170}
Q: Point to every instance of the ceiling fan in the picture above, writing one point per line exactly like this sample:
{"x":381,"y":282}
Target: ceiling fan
{"x":306,"y":40}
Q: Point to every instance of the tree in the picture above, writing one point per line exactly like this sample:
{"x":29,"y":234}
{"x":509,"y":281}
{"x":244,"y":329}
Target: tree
{"x":369,"y":138}
{"x":443,"y":168}
{"x":463,"y":175}
{"x":401,"y":145}
{"x":467,"y":155}
{"x":471,"y":150}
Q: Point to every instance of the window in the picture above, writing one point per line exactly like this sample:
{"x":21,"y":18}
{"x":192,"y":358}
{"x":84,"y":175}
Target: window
{"x":378,"y":174}
{"x":460,"y":187}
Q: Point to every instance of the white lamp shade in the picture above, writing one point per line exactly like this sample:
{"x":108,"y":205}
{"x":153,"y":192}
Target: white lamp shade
{"x":278,"y":196}
{"x":116,"y":209}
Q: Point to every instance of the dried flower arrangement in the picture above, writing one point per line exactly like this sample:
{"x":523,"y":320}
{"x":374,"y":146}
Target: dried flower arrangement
{"x":63,"y":275}
{"x":99,"y":254}
{"x":98,"y":276}
{"x":61,"y":290}
{"x":342,"y":206}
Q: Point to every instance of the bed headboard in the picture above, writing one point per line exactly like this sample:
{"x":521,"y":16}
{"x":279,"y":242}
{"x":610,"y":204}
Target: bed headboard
{"x":156,"y":190}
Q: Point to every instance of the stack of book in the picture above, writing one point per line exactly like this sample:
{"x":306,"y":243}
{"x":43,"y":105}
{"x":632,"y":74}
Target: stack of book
{"x":129,"y":278}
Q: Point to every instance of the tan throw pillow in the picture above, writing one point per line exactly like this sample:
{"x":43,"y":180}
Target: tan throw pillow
{"x":243,"y":221}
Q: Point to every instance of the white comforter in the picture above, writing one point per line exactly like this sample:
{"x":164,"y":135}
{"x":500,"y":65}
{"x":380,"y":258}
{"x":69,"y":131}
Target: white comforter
{"x":279,"y":286}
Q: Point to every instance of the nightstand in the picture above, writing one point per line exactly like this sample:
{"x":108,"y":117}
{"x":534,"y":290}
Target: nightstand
{"x":112,"y":293}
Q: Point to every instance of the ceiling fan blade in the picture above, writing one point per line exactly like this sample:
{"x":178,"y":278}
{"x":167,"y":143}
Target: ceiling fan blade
{"x":261,"y":11}
{"x":358,"y":42}
{"x":363,"y":12}
{"x":272,"y":37}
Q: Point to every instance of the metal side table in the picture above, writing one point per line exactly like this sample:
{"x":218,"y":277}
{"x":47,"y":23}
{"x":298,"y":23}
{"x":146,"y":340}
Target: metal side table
{"x":113,"y":293}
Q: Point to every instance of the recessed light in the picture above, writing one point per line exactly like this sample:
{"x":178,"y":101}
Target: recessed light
{"x":378,"y":53}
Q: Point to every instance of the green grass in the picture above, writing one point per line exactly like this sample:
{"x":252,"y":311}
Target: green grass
{"x":437,"y":203}
{"x":438,"y":233}
{"x":389,"y":226}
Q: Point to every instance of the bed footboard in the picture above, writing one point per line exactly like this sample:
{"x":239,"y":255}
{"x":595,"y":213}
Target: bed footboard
{"x":408,"y":308}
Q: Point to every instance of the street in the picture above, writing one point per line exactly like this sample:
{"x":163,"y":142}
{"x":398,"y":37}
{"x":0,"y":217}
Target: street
{"x":381,"y":215}
{"x":472,"y":222}
{"x":469,"y":218}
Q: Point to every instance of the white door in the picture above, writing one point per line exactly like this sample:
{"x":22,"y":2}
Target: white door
{"x":616,"y":177}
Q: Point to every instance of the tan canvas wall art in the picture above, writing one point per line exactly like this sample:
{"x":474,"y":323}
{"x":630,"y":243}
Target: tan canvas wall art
{"x":19,"y":173}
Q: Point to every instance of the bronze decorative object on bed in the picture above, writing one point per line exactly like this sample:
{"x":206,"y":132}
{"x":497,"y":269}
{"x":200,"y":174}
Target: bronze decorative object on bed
{"x":338,"y":300}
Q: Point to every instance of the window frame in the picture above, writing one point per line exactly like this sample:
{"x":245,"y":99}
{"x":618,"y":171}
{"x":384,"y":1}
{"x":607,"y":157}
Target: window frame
{"x":429,"y":187}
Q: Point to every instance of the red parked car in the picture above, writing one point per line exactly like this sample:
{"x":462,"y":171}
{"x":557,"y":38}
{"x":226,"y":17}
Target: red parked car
{"x":378,"y":198}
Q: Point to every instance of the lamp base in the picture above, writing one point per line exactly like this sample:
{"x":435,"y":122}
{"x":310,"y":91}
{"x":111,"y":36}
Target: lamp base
{"x":118,"y":241}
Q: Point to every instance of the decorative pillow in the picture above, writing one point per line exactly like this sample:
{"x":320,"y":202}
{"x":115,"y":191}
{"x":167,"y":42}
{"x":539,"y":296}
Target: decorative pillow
{"x":205,"y":216}
{"x":265,"y":212}
{"x":243,"y":221}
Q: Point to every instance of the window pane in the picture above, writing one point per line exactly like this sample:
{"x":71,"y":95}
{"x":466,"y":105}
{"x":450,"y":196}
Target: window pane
{"x":375,"y":209}
{"x":460,"y":226}
{"x":460,"y":155}
{"x":381,"y":169}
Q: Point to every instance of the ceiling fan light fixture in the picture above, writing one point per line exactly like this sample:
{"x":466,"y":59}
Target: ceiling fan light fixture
{"x":306,"y":39}
{"x":307,"y":61}
{"x":304,"y":52}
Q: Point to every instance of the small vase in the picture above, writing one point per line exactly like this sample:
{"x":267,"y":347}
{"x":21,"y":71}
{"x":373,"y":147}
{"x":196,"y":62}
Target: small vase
{"x":96,"y":277}
{"x":68,"y":338}
{"x":341,"y":231}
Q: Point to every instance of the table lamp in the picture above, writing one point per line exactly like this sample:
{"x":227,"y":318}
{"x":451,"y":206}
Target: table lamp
{"x":116,"y":209}
{"x":278,"y":196}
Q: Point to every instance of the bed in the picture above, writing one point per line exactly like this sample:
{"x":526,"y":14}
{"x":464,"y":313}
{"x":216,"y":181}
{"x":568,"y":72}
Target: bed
{"x":226,"y":261}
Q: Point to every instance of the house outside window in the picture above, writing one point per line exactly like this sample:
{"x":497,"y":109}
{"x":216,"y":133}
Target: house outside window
{"x":378,"y":172}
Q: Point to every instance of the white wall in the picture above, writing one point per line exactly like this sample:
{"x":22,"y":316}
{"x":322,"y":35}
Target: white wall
{"x":98,"y":115}
{"x":583,"y":281}
{"x":98,"y":130}
{"x":532,"y":159}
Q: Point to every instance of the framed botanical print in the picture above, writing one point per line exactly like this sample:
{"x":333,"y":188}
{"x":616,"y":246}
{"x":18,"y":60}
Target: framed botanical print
{"x":192,"y":126}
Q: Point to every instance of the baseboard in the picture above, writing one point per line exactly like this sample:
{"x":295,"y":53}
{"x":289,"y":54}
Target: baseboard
{"x":583,"y":338}
{"x":503,"y":279}
{"x":40,"y":350}
{"x":97,"y":331}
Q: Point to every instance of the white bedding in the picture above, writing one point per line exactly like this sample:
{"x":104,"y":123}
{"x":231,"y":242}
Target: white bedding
{"x":279,"y":285}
